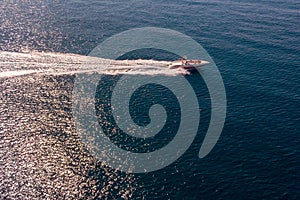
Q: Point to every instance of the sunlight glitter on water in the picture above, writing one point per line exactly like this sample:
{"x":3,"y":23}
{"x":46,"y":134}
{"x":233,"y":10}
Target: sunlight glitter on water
{"x":36,"y":90}
{"x":42,"y":156}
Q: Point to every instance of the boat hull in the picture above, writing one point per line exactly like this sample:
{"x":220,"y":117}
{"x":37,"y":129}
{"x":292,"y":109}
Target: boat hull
{"x":189,"y":65}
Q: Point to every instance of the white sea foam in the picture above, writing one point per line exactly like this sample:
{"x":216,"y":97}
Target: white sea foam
{"x":38,"y":63}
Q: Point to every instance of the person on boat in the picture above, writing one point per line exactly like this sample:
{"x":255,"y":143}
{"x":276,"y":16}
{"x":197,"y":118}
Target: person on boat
{"x":183,"y":60}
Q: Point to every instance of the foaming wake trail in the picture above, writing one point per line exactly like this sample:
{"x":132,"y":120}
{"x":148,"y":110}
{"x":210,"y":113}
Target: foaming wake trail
{"x":8,"y":74}
{"x":36,"y":63}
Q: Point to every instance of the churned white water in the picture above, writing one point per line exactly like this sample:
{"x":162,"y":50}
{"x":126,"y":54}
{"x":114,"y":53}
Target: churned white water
{"x":19,"y":64}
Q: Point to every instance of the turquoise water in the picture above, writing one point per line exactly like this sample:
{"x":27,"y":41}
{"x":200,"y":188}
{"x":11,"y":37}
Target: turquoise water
{"x":255,"y":44}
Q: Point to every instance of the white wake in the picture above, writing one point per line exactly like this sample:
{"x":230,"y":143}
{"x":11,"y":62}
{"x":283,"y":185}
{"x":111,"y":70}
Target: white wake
{"x":38,"y":63}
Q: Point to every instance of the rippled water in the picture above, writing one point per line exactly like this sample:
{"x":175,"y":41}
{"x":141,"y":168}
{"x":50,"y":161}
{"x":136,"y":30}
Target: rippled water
{"x":256,"y":47}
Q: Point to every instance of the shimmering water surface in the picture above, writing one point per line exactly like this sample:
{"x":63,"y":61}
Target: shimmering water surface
{"x":255,"y":44}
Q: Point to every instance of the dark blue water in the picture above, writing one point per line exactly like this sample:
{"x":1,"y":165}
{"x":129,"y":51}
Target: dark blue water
{"x":256,"y":46}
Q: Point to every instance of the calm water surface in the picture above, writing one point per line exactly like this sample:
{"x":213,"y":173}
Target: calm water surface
{"x":255,"y":44}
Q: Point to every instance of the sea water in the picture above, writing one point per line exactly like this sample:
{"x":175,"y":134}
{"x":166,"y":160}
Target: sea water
{"x":255,"y":45}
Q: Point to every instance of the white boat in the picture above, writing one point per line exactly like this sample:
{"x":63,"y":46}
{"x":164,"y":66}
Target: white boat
{"x":188,"y":65}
